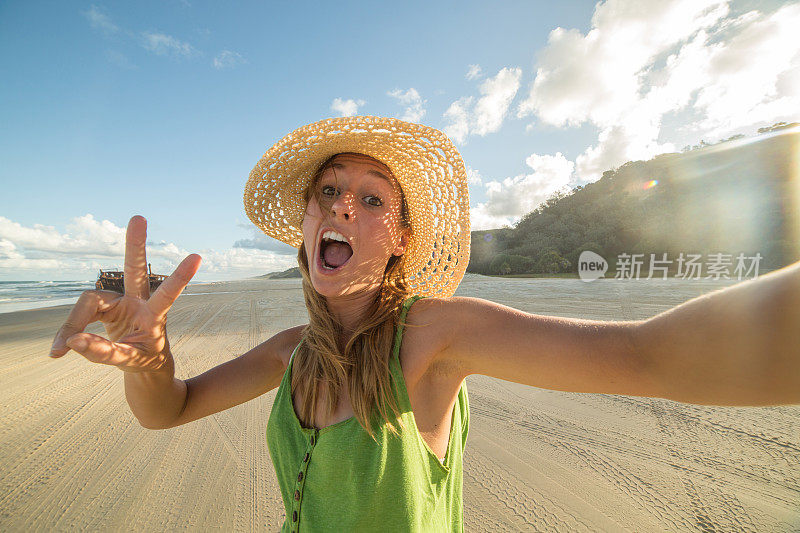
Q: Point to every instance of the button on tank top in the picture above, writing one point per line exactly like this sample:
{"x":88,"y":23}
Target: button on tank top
{"x":338,"y":479}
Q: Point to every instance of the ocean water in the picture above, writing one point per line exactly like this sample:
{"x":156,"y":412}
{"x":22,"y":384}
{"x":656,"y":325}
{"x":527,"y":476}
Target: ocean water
{"x":21,"y":295}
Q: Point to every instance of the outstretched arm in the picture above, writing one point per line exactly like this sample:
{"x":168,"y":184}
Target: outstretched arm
{"x":736,"y":346}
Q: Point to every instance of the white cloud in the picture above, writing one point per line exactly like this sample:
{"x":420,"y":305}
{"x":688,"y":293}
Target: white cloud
{"x":413,"y":102}
{"x":155,"y":42}
{"x":346,"y":108}
{"x":592,"y":77}
{"x":480,"y":218}
{"x":458,"y":116}
{"x":87,"y":244}
{"x":86,"y":236}
{"x":510,"y":199}
{"x":261,"y":241}
{"x":236,"y":263}
{"x":640,"y":62}
{"x":754,"y":76}
{"x":12,"y":259}
{"x":100,"y":21}
{"x":489,"y":111}
{"x":634,"y":137}
{"x":162,"y":44}
{"x":491,"y":108}
{"x":473,"y":72}
{"x":228,"y":59}
{"x":473,"y":176}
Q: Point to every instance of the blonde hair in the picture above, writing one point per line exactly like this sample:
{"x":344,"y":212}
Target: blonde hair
{"x":362,"y":364}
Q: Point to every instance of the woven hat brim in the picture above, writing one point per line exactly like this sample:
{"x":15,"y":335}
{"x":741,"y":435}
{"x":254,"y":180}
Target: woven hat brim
{"x":425,"y":163}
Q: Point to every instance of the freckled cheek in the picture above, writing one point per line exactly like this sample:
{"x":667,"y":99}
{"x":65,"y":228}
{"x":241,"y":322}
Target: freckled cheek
{"x":386,"y":231}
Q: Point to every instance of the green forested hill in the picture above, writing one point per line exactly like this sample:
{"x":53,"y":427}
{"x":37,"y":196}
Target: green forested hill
{"x":740,"y":195}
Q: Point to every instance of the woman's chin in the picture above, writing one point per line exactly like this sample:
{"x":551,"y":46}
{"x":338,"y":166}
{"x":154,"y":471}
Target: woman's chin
{"x":329,"y":286}
{"x":327,"y":289}
{"x":339,"y":287}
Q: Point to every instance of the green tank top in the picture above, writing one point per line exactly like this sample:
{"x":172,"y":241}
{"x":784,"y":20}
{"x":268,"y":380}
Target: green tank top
{"x":338,"y":479}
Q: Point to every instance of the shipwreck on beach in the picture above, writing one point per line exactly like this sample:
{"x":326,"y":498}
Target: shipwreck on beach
{"x":114,"y":280}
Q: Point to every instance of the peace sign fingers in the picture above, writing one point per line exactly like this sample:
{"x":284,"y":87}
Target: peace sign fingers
{"x":169,"y":290}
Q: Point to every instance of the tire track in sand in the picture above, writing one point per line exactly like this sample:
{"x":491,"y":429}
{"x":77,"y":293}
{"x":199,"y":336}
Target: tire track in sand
{"x":556,"y":507}
{"x":247,"y":497}
{"x":712,"y":508}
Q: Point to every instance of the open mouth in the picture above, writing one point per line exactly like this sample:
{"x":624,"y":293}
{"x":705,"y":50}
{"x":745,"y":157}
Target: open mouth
{"x":333,"y":255}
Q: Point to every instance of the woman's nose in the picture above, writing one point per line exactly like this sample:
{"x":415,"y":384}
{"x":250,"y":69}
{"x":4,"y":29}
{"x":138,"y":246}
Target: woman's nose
{"x":343,"y":205}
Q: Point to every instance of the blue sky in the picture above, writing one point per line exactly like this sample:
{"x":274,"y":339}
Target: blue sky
{"x":163,"y":108}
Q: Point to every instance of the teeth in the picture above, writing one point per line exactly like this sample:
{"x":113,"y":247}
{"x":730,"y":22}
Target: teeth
{"x":332,"y":235}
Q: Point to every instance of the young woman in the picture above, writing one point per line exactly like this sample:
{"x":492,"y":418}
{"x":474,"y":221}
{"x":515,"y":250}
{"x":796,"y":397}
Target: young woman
{"x":369,"y":423}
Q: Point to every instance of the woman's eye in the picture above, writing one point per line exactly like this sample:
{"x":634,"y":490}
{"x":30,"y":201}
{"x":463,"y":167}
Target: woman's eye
{"x":328,"y":190}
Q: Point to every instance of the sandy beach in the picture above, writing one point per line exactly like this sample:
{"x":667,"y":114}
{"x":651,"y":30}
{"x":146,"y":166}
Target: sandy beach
{"x":75,"y":458}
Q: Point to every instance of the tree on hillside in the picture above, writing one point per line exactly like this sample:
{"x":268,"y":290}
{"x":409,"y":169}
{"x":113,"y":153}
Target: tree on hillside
{"x":551,"y":262}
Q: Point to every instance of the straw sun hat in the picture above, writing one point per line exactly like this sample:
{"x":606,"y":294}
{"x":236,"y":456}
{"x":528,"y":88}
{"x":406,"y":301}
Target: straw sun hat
{"x":425,"y":163}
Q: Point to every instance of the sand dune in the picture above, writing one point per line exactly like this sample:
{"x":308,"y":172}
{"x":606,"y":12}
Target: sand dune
{"x":75,"y":458}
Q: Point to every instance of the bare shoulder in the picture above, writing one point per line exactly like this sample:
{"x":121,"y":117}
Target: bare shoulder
{"x":429,"y":335}
{"x":429,"y":316}
{"x":286,"y":341}
{"x":441,"y":316}
{"x":455,"y":326}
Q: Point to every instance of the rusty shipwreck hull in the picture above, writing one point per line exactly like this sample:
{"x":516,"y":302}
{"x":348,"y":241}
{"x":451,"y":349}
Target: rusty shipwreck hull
{"x":114,"y":280}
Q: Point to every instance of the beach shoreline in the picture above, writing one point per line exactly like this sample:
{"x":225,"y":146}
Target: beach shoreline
{"x":10,"y":306}
{"x":31,"y":300}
